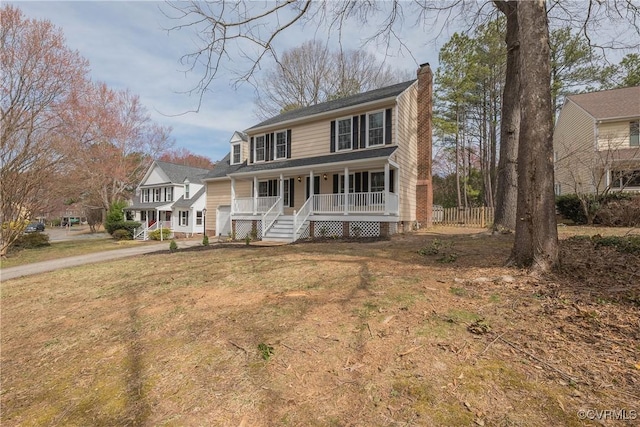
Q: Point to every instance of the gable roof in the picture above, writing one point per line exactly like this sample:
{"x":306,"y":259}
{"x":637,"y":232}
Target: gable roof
{"x":337,"y":104}
{"x":610,"y":104}
{"x":185,"y":203}
{"x":178,"y":173}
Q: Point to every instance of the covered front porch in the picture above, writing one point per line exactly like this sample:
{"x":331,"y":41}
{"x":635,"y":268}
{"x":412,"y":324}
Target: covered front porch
{"x":285,"y":206}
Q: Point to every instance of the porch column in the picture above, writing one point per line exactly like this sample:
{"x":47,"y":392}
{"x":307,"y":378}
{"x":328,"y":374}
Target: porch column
{"x":386,"y":188}
{"x":346,"y":191}
{"x":281,"y":192}
{"x":311,"y":189}
{"x":255,"y":195}
{"x":233,"y":195}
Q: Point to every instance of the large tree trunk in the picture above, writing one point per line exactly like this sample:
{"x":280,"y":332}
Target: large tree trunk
{"x":507,"y":185}
{"x":536,"y":239}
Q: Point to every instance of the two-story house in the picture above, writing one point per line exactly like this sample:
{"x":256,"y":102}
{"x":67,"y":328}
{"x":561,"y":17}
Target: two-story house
{"x":597,"y":142}
{"x":170,"y":196}
{"x":356,"y":166}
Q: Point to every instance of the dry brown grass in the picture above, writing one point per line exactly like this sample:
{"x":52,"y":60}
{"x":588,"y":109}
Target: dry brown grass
{"x":363,"y":334}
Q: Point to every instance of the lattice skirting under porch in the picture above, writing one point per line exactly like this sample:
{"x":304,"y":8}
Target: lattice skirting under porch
{"x":243,"y":228}
{"x":355,"y":229}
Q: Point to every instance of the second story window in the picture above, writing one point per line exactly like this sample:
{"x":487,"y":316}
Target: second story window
{"x":187,"y":190}
{"x":145,"y":195}
{"x":260,"y":149}
{"x":344,"y":134}
{"x":375,"y":123}
{"x":281,"y":145}
{"x":168,"y":194}
{"x":235,"y":154}
{"x":634,"y":133}
{"x":156,"y":194}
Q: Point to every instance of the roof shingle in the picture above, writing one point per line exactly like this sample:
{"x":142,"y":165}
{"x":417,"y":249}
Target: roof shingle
{"x":610,"y":104}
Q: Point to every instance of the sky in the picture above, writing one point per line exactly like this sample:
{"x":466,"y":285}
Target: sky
{"x":128,"y":47}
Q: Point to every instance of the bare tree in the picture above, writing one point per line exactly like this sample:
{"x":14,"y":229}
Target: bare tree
{"x":313,"y":73}
{"x":115,"y":141}
{"x":38,"y":75}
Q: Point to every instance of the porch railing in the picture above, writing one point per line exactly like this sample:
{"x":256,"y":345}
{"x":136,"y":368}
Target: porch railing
{"x":246,"y":204}
{"x":373,"y":202}
{"x":300,"y":217}
{"x":270,"y":217}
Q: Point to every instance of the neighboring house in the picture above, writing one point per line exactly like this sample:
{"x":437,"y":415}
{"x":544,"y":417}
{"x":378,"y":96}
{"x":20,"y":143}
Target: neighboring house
{"x":170,"y":196}
{"x":355,"y":166}
{"x":596,"y":143}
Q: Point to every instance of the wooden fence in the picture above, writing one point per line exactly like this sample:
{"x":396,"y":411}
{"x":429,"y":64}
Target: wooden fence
{"x":461,"y":217}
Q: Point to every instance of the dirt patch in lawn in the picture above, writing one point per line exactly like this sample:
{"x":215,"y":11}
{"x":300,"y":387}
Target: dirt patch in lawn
{"x":421,"y":329}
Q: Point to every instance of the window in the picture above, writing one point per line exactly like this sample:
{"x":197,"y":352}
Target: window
{"x":235,"y":154}
{"x":281,"y":145}
{"x":377,"y":181}
{"x":375,"y":126}
{"x":186,"y":191}
{"x":259,"y":154}
{"x":634,"y":133}
{"x":168,"y":194}
{"x":352,"y":180}
{"x":198,"y":217}
{"x":344,"y":134}
{"x":263,"y":189}
{"x":624,"y":179}
{"x":156,"y":194}
{"x":557,"y":189}
{"x":145,"y":195}
{"x":184,"y":218}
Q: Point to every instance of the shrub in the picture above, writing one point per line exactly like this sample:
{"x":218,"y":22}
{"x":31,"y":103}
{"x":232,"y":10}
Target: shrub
{"x":157,"y":234}
{"x":122,"y":234}
{"x":121,"y":225}
{"x":570,"y":208}
{"x":205,"y":240}
{"x":31,"y":241}
{"x":173,"y":246}
{"x":620,"y":212}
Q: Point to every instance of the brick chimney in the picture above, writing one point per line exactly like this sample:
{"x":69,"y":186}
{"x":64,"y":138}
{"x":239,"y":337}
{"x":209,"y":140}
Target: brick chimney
{"x":424,"y":186}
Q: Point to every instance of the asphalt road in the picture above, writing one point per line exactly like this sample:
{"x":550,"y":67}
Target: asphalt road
{"x":61,"y":234}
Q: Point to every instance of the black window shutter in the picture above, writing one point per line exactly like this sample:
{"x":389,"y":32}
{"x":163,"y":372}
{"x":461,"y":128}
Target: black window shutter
{"x":291,"y":192}
{"x":272,"y":147}
{"x":363,"y":131}
{"x":307,"y":188}
{"x":333,"y":136}
{"x":288,"y":143}
{"x":357,"y":185}
{"x":336,"y":189}
{"x":251,"y":146}
{"x":365,"y":181}
{"x":267,"y":147}
{"x":387,"y":126}
{"x":316,"y":185}
{"x":355,"y":143}
{"x":391,"y":180}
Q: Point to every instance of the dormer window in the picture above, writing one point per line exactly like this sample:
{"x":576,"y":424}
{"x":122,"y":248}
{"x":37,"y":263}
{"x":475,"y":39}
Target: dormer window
{"x":186,"y":189}
{"x":235,"y":154}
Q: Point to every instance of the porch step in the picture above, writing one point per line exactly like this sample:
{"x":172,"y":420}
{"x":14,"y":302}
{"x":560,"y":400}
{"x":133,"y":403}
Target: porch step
{"x":281,"y":231}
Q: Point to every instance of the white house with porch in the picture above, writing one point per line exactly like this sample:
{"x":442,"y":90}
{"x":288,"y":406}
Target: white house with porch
{"x":170,"y":196}
{"x":357,"y":166}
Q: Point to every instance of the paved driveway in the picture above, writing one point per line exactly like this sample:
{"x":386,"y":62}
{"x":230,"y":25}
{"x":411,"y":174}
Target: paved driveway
{"x":62,"y":234}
